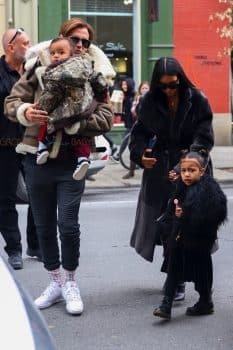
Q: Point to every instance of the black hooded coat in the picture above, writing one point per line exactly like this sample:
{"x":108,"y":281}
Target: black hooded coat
{"x":192,"y":236}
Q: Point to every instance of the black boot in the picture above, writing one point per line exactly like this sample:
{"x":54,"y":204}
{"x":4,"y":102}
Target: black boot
{"x":164,"y":310}
{"x":128,"y":175}
{"x":130,"y":172}
{"x":202,"y":307}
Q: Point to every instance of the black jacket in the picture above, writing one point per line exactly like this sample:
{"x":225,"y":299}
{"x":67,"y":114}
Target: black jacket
{"x":191,"y":128}
{"x":204,"y":208}
{"x":10,"y":132}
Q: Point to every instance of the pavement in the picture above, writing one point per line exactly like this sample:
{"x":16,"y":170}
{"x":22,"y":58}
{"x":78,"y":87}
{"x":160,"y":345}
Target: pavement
{"x":111,"y":175}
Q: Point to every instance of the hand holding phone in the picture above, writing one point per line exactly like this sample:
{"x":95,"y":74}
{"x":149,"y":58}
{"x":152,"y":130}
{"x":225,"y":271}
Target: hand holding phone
{"x":147,"y":159}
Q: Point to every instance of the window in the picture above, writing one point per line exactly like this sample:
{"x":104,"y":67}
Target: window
{"x":113,"y":25}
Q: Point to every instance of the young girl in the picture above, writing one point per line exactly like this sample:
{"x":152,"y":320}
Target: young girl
{"x":195,"y":213}
{"x":142,"y":89}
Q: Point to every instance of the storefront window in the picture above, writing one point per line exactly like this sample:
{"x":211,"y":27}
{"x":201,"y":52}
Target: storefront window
{"x":113,"y":24}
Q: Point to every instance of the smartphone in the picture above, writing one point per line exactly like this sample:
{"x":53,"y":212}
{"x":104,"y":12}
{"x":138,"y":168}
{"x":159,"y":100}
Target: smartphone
{"x":150,"y":146}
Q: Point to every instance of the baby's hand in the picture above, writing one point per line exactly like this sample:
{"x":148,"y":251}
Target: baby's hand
{"x":178,"y":209}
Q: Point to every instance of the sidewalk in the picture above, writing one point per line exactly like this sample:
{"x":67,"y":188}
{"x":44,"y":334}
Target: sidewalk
{"x":111,"y":175}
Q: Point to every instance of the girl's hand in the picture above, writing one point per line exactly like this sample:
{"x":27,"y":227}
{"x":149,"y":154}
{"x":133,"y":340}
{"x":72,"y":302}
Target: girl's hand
{"x":148,"y":162}
{"x":178,"y":209}
{"x":173,"y":176}
{"x":32,"y":114}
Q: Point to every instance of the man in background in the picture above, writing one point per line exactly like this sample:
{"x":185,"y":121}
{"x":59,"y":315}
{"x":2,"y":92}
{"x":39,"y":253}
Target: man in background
{"x":15,"y":43}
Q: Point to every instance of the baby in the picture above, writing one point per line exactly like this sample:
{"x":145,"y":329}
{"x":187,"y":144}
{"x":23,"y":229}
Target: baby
{"x":70,"y":84}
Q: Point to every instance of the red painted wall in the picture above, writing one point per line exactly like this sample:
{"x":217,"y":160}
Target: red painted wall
{"x":197,"y":46}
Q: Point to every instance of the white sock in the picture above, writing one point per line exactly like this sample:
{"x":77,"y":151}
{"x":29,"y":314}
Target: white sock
{"x":82,"y":158}
{"x":55,"y":276}
{"x":41,"y":146}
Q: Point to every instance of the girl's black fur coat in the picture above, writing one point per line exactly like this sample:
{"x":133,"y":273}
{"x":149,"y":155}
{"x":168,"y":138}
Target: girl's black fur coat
{"x":204,"y":208}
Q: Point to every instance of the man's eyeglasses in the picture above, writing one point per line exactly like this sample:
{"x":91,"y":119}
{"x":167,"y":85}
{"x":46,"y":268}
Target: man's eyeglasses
{"x":85,"y":42}
{"x":173,"y":85}
{"x":18,"y":31}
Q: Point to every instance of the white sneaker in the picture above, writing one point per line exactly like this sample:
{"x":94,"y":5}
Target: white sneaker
{"x":42,"y":156}
{"x":71,"y":294}
{"x":81,"y":170}
{"x":51,"y":295}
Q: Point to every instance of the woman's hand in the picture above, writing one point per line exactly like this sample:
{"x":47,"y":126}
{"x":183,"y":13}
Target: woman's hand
{"x":173,"y":176}
{"x":148,"y":162}
{"x":32,"y":114}
{"x":178,"y":209}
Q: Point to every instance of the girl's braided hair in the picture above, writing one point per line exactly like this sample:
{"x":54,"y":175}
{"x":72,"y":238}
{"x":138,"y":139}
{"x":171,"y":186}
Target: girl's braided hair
{"x":202,"y":156}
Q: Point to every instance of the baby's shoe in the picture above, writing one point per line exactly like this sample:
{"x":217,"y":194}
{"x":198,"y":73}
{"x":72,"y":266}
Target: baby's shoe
{"x":42,"y":156}
{"x":81,"y":169}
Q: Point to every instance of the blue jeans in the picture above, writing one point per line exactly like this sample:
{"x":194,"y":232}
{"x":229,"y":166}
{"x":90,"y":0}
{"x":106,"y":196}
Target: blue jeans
{"x":55,"y":200}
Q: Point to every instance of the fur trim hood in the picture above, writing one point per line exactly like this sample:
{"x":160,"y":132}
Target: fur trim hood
{"x":101,"y":62}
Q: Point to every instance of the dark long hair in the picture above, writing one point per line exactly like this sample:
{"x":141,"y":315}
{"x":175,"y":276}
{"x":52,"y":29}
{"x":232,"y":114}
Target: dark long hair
{"x":131,"y":86}
{"x":169,"y":66}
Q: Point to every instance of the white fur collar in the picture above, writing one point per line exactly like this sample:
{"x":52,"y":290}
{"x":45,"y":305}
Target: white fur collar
{"x":40,"y":51}
{"x":39,"y":73}
{"x":101,"y":62}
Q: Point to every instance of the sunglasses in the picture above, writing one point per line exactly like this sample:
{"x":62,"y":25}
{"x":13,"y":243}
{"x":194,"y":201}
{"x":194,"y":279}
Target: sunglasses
{"x":173,"y":85}
{"x":85,"y":42}
{"x":18,"y":32}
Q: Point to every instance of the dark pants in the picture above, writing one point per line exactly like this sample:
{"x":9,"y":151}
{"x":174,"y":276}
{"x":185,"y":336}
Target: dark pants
{"x":31,"y":235}
{"x":32,"y":239}
{"x":55,"y":200}
{"x":11,"y":163}
{"x":190,"y":266}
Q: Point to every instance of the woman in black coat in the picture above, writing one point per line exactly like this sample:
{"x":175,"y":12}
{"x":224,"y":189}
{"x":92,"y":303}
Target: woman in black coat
{"x":179,"y":115}
{"x":127,"y":86}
